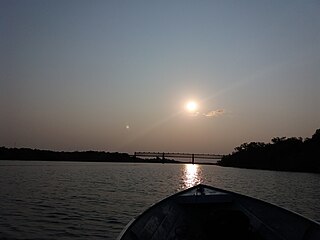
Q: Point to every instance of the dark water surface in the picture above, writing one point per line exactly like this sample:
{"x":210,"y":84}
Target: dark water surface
{"x":76,"y":200}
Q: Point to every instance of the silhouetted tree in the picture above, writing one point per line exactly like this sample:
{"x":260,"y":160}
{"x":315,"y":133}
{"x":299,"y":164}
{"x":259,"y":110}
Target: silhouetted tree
{"x":287,"y":154}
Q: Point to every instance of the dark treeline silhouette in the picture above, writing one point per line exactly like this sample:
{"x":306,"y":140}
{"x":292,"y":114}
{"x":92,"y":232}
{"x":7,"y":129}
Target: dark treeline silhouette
{"x":83,"y":156}
{"x":282,"y":154}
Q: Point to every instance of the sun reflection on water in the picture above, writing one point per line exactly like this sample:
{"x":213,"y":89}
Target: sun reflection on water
{"x":191,"y":175}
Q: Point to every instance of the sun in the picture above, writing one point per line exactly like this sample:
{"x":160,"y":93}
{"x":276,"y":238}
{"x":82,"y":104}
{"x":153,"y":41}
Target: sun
{"x":191,"y":106}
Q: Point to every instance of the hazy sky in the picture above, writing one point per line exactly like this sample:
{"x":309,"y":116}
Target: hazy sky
{"x":116,"y":75}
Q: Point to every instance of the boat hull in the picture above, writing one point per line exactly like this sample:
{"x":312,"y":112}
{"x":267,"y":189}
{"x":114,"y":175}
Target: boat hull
{"x":205,"y":212}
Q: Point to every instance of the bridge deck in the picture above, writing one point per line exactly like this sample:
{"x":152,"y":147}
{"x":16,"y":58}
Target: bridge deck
{"x":178,"y":155}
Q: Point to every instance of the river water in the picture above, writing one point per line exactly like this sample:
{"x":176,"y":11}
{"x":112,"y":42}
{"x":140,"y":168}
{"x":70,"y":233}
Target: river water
{"x":78,"y":200}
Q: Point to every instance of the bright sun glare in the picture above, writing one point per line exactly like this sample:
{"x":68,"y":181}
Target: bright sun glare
{"x":192,"y":175}
{"x":191,"y":106}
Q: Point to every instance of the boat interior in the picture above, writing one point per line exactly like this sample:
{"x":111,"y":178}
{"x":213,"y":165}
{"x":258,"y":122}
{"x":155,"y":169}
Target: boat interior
{"x":209,"y":214}
{"x":185,"y":219}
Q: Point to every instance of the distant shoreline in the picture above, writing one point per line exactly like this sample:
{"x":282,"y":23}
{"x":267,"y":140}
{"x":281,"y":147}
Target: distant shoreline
{"x":27,"y":154}
{"x":282,"y":154}
{"x":167,"y":161}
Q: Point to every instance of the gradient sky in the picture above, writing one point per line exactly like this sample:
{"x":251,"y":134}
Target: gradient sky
{"x":115,"y":75}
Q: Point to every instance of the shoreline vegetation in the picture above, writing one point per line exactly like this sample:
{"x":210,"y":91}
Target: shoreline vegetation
{"x":282,"y":154}
{"x":28,"y":154}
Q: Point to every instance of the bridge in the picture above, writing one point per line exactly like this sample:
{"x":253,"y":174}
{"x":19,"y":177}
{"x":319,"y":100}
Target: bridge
{"x":191,"y":156}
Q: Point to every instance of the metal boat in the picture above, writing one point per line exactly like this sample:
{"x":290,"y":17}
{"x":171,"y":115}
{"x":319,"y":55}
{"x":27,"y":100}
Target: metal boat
{"x":205,"y":212}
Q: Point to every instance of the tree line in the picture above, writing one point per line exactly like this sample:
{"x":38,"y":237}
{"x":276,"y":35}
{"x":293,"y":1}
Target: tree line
{"x":48,"y":155}
{"x":282,"y":154}
{"x":28,"y":154}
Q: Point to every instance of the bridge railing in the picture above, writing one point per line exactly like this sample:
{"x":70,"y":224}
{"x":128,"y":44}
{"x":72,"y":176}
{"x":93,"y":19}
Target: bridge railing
{"x":163,"y":155}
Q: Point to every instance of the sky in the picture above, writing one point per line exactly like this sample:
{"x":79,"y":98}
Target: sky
{"x":116,"y":75}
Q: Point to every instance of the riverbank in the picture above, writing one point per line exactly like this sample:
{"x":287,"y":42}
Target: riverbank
{"x":28,"y":154}
{"x":282,"y":154}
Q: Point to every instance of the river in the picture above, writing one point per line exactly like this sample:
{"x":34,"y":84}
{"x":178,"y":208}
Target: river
{"x":79,"y":200}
